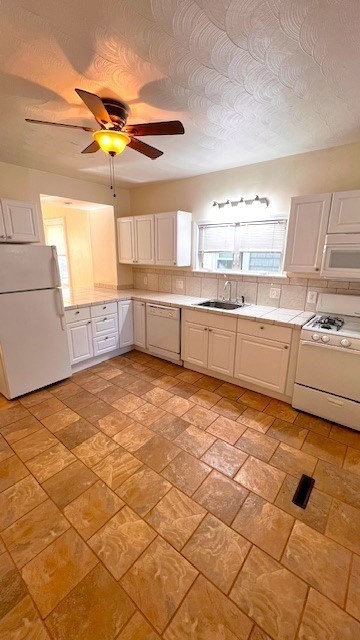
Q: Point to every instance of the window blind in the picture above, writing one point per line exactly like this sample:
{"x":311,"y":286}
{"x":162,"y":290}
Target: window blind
{"x":217,"y":237}
{"x":264,"y":236}
{"x":267,"y":235}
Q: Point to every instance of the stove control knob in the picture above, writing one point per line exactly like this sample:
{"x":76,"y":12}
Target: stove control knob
{"x":345,"y":343}
{"x":315,"y":336}
{"x":325,"y":339}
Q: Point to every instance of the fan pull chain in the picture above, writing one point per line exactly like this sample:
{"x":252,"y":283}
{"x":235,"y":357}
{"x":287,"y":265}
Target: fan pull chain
{"x":112,"y":174}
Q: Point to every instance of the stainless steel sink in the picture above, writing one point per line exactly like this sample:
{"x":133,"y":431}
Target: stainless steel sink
{"x":220,"y":304}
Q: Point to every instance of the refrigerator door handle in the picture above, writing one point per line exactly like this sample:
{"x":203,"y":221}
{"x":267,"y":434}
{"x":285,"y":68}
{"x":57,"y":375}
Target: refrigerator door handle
{"x":60,"y":308}
{"x":57,"y":270}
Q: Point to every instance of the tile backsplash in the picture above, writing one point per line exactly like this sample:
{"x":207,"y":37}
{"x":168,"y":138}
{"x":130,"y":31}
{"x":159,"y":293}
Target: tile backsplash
{"x":290,"y":293}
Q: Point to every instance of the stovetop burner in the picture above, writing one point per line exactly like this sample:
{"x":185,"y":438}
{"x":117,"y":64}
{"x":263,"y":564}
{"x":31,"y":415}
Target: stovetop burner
{"x":328,"y":322}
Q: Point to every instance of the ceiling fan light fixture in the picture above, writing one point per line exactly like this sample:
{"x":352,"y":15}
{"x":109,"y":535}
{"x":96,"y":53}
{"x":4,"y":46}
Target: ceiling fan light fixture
{"x":111,"y":141}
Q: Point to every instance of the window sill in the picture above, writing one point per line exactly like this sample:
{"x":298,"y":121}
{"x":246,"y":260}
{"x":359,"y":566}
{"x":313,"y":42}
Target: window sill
{"x":255,"y":274}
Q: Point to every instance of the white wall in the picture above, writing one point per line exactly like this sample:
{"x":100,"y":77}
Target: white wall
{"x":103,"y":243}
{"x":335,"y":169}
{"x":21,"y":183}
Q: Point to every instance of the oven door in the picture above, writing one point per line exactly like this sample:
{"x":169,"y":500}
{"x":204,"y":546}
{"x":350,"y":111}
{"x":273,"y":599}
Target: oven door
{"x":331,"y":369}
{"x":341,"y":258}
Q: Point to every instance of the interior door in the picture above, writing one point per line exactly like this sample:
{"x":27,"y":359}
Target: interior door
{"x":126,"y":323}
{"x":345,"y":212}
{"x":139,"y":324}
{"x":80,"y":341}
{"x":125,"y":234}
{"x":307,"y":227}
{"x":221,"y":351}
{"x":21,"y":221}
{"x":144,"y":239}
{"x":196,"y":339}
{"x":261,"y":362}
{"x":165,"y":238}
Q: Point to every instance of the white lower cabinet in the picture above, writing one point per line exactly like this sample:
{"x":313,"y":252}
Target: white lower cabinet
{"x":139,"y":324}
{"x":106,"y":343}
{"x":80,"y":341}
{"x":126,"y":323}
{"x":261,"y":362}
{"x":196,"y":339}
{"x":104,"y":325}
{"x":221,"y":351}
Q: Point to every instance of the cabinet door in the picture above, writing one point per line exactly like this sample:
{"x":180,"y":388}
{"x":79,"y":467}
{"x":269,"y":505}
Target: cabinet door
{"x":309,"y":216}
{"x":221,"y":351}
{"x":165,"y":238}
{"x":144,"y":239}
{"x":126,"y":323}
{"x":80,"y":341}
{"x":139,"y":324}
{"x":125,"y":234}
{"x":261,"y":362}
{"x":2,"y":226}
{"x":21,"y":221}
{"x":196,"y":340}
{"x":345,"y":212}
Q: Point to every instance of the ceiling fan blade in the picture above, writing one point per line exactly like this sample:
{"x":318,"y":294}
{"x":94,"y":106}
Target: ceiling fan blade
{"x":94,"y":146}
{"x":59,"y":124}
{"x":145,"y":149}
{"x":170,"y":128}
{"x":95,"y":104}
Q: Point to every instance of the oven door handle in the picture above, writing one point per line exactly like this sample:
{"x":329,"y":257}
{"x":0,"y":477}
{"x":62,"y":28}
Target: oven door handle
{"x":329,"y":346}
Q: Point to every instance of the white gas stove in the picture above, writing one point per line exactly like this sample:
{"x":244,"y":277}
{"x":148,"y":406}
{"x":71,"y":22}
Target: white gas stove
{"x":327,"y":381}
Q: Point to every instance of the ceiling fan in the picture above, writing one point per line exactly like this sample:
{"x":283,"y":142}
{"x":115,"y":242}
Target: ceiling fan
{"x":114,"y":134}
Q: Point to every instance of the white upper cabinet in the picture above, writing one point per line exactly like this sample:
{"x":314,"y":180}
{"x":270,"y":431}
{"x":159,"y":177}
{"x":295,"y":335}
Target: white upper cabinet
{"x":162,"y":239}
{"x":345,"y":212}
{"x":144,"y":239}
{"x":18,"y":222}
{"x":309,"y":216}
{"x":126,"y":244}
{"x":173,"y":238}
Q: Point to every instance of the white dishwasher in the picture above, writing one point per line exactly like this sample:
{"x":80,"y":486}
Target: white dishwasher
{"x":163,"y":331}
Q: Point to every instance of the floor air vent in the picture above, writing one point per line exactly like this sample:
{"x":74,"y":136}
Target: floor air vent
{"x":303,"y":491}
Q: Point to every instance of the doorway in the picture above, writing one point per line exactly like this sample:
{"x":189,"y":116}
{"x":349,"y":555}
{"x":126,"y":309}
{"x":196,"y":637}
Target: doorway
{"x":84,"y":235}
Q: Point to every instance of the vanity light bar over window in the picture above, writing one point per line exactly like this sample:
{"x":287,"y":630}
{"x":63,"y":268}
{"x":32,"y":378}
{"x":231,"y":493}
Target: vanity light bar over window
{"x":252,"y":247}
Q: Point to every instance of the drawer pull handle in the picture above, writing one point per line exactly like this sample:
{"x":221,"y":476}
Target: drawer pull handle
{"x":104,"y":319}
{"x":262,"y":327}
{"x":286,"y":346}
{"x":77,"y":313}
{"x":106,"y":338}
{"x":337,"y":403}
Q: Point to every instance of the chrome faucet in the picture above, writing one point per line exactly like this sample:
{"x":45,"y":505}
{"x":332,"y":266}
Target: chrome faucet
{"x":228,"y":282}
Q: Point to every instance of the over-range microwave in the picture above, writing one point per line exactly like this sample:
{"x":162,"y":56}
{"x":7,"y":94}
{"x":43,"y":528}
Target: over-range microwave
{"x":341,"y":257}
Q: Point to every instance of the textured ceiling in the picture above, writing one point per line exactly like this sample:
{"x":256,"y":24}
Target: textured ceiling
{"x":250,"y":79}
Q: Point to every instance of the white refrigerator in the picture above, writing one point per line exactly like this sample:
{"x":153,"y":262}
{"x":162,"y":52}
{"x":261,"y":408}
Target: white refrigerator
{"x":33,"y":343}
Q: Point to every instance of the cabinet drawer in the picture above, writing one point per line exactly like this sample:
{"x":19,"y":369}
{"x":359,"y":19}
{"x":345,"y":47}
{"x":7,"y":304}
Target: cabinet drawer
{"x":263,"y":330}
{"x":105,"y":325}
{"x":75,"y":315}
{"x":103,"y":309}
{"x":214,"y":320}
{"x":106,"y":343}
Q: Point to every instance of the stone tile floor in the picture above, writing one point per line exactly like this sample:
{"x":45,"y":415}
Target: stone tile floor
{"x":143,"y":501}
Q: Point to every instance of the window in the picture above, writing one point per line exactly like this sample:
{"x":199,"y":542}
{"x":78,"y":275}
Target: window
{"x":252,"y":247}
{"x":55,"y":236}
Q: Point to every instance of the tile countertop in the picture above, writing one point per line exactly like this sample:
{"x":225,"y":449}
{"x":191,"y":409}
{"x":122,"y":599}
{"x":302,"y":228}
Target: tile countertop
{"x":74,"y":298}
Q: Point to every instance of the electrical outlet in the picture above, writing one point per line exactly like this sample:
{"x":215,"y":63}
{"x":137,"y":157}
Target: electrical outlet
{"x":274,"y":293}
{"x":179,"y":285}
{"x":145,"y":281}
{"x":311,"y":297}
